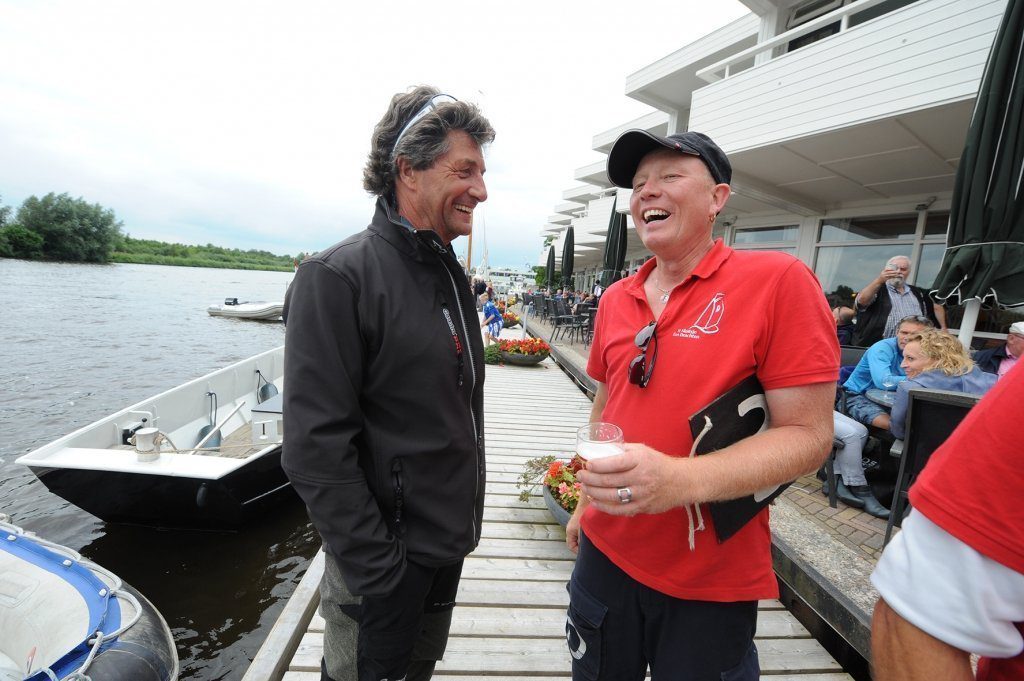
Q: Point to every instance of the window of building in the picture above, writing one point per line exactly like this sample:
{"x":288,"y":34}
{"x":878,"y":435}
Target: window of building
{"x":869,"y":229}
{"x":779,"y":238}
{"x":852,"y":251}
{"x":761,"y":235}
{"x":812,"y":9}
{"x":878,"y":10}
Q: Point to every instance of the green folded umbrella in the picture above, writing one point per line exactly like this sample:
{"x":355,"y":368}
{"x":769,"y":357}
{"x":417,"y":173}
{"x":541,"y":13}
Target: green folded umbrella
{"x":568,"y":249}
{"x":984,"y":258}
{"x":614,"y":247}
{"x":551,"y":268}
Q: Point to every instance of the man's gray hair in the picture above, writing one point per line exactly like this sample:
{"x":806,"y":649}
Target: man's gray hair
{"x":423,"y":142}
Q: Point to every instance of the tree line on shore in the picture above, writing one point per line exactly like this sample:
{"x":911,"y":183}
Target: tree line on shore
{"x":60,"y":228}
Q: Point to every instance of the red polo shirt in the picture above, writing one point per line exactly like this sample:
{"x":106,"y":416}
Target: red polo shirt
{"x":739,"y":313}
{"x":972,"y":487}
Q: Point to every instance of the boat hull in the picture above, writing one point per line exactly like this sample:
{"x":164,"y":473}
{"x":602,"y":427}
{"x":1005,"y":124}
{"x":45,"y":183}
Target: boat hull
{"x":143,"y":653}
{"x":174,"y":502}
{"x":128,"y":467}
{"x":257,"y":311}
{"x":54,"y":604}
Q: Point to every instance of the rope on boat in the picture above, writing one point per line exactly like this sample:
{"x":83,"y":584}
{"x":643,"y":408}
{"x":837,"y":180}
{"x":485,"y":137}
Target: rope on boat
{"x":161,"y":437}
{"x":116,"y":589}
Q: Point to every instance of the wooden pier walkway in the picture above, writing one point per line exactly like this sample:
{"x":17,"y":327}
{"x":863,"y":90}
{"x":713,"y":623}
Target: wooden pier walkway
{"x":509,"y":621}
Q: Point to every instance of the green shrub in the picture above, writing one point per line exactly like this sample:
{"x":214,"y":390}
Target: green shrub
{"x":18,"y":242}
{"x":492,"y":354}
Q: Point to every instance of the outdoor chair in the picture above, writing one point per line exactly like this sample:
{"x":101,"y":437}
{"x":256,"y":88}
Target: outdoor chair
{"x":559,"y":317}
{"x":932,"y":415}
{"x":588,"y":333}
{"x":578,"y":325}
{"x":849,"y":355}
{"x":544,"y":304}
{"x":527,"y":307}
{"x":830,"y":472}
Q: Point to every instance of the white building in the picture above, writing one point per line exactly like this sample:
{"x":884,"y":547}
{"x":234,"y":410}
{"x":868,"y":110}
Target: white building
{"x":844,"y":121}
{"x":508,"y":280}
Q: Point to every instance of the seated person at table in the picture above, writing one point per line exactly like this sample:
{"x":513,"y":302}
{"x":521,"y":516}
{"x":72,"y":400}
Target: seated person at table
{"x":936,"y":360}
{"x":851,"y":485}
{"x":881,"y":360}
{"x":999,"y":360}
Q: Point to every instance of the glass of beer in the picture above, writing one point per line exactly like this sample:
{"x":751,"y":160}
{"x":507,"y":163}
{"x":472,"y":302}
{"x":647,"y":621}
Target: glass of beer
{"x":598,"y":440}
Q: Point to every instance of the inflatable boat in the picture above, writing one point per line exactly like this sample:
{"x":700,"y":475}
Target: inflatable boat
{"x":248,"y":310}
{"x":64,"y":617}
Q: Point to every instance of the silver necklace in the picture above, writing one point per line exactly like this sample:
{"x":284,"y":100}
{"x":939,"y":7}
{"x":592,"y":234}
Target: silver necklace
{"x":664,"y":294}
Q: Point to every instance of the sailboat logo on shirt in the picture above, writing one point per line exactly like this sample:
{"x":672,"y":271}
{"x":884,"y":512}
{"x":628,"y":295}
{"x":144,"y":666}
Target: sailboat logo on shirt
{"x":708,"y":321}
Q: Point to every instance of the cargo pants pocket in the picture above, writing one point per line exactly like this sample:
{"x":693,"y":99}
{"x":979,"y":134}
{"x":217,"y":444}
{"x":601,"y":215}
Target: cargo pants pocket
{"x":583,"y":624}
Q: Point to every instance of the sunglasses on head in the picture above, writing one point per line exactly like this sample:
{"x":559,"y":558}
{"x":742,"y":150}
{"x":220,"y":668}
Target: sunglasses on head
{"x":639,"y":370}
{"x":431,"y":104}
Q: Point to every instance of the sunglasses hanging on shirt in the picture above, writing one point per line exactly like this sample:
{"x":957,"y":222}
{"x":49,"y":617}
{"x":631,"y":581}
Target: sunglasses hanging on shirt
{"x":640,"y":371}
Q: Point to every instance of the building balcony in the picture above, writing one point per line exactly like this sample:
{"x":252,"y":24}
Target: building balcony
{"x":570,"y":208}
{"x":876,"y":111}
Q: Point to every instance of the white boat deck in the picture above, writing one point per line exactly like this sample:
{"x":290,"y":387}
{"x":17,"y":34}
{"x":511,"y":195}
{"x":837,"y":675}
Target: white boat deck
{"x":510,"y":617}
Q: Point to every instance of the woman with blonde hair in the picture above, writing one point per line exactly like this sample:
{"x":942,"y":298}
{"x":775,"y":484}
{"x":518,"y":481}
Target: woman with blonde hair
{"x":936,"y":360}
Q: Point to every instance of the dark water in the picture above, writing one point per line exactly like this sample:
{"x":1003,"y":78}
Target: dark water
{"x":78,"y":342}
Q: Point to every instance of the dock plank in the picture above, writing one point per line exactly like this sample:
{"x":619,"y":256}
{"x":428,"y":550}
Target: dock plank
{"x":509,"y":622}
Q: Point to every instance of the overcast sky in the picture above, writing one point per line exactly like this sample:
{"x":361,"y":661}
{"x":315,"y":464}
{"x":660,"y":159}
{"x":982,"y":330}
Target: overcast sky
{"x":246,"y":124}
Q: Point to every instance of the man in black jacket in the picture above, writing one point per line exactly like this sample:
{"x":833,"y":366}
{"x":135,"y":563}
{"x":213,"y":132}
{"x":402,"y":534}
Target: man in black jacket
{"x":384,"y":396}
{"x":887,"y":299}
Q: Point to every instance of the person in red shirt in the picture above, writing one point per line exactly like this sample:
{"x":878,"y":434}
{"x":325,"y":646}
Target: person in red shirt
{"x":655,"y":581}
{"x":952,"y":581}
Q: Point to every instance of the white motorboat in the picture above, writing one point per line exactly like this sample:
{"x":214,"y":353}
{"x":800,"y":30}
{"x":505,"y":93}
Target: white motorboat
{"x":206,"y":454}
{"x":248,"y":310}
{"x":64,"y":617}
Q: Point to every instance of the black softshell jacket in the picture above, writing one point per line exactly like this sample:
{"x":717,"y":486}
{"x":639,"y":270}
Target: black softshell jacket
{"x":383,"y":402}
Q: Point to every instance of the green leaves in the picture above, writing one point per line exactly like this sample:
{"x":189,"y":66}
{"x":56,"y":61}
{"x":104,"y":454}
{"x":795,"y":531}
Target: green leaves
{"x":71,"y":230}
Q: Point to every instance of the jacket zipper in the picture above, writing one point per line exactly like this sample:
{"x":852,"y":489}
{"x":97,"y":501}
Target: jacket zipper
{"x":396,"y":477}
{"x":458,"y":345}
{"x":472,"y":373}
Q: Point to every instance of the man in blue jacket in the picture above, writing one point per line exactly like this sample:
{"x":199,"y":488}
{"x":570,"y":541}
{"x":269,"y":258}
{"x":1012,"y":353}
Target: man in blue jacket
{"x":383,"y":400}
{"x":881,"y":360}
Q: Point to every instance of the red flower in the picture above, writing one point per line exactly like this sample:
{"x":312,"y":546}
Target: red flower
{"x":526,"y":346}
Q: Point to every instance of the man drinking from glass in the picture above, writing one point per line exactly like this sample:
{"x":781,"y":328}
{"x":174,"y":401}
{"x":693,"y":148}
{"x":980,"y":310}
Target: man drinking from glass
{"x":654,"y":578}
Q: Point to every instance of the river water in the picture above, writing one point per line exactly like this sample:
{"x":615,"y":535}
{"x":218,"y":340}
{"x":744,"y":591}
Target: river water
{"x":78,"y":342}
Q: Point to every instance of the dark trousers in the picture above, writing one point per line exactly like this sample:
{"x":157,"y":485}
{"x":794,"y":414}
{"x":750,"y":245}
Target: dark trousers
{"x":616,"y":627}
{"x":387,"y":638}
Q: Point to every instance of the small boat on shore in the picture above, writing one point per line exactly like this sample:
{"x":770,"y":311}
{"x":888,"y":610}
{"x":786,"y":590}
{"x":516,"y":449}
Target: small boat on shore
{"x":248,"y":310}
{"x":204,"y":455}
{"x":62,"y":615}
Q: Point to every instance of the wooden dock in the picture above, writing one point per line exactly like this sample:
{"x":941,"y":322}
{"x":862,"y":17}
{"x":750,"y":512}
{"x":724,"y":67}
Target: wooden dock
{"x":510,"y":617}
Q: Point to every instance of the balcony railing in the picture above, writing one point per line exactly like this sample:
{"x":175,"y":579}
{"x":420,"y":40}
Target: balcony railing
{"x":723,"y":69}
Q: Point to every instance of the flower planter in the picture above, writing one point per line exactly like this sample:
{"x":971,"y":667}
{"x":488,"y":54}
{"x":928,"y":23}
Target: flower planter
{"x":560,"y":514}
{"x":522,"y":360}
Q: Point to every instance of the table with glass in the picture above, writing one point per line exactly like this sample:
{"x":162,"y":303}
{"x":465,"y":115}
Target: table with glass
{"x":886,"y":398}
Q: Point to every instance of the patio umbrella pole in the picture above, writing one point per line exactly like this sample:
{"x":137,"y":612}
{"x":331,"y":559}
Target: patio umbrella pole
{"x":971,"y":309}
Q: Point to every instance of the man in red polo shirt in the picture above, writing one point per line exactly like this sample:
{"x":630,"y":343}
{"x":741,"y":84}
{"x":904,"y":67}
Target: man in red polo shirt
{"x":952,"y":581}
{"x":656,"y":582}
